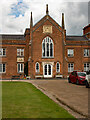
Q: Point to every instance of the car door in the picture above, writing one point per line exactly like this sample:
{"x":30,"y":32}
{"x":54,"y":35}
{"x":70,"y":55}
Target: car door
{"x":71,"y":77}
{"x":75,"y":77}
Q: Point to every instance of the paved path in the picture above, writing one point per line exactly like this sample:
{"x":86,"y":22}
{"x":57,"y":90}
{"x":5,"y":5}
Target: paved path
{"x":74,"y":97}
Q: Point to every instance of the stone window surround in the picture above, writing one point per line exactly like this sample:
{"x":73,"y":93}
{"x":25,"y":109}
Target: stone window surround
{"x":21,"y":65}
{"x":2,"y":69}
{"x":48,"y":40}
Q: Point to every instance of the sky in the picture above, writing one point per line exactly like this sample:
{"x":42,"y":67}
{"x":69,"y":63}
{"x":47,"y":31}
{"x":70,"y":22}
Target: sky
{"x":15,"y":14}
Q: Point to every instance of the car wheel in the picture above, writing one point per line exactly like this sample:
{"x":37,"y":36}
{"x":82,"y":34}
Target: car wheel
{"x":69,"y":80}
{"x":87,"y":85}
{"x":77,"y":82}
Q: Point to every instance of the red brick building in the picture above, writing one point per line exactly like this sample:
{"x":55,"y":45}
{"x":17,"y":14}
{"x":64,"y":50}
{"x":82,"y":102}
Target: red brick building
{"x":44,"y":51}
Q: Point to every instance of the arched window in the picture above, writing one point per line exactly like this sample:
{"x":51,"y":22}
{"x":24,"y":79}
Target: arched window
{"x":37,"y":67}
{"x":47,"y":47}
{"x":58,"y":67}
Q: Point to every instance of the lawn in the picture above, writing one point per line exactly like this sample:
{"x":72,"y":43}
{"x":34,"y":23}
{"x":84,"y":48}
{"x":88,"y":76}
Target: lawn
{"x":23,"y":100}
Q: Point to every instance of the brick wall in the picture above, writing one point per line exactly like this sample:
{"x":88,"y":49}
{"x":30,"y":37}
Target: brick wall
{"x":11,"y":57}
{"x":38,"y":37}
{"x":32,"y":45}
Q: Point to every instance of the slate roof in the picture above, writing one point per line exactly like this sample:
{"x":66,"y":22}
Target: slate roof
{"x":12,"y":37}
{"x":76,"y":38}
{"x":21,"y":37}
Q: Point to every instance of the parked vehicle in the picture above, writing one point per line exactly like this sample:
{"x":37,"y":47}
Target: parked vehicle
{"x":87,"y":79}
{"x":77,"y":77}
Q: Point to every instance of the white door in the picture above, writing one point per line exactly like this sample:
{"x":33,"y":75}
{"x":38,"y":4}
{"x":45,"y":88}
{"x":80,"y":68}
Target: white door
{"x":47,"y":71}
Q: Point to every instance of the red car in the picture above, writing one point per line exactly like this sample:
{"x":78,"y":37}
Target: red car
{"x":77,"y":77}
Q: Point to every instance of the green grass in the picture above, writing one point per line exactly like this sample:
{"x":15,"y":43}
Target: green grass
{"x":23,"y":100}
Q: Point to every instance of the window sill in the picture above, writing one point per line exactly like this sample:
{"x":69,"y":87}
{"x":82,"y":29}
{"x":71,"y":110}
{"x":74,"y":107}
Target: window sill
{"x":70,"y":56}
{"x":47,"y":57}
{"x":20,"y":72}
{"x":3,"y":56}
{"x":3,"y":73}
{"x":86,"y":56}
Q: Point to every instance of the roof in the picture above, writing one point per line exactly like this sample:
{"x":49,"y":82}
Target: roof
{"x":86,"y":26}
{"x":12,"y":37}
{"x":44,"y":19}
{"x":76,"y":38}
{"x":21,"y":37}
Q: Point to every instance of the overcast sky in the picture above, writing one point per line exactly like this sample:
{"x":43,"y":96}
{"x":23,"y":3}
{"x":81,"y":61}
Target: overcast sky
{"x":15,"y":14}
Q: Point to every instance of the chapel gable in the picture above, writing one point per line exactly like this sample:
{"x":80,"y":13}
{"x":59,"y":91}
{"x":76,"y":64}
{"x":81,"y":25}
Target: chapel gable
{"x":47,"y":19}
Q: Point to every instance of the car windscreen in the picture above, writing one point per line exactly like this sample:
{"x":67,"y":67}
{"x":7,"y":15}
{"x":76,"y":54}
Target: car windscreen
{"x":81,"y":74}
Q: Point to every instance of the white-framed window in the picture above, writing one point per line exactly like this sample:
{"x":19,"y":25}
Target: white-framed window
{"x":20,"y":67}
{"x":70,"y":67}
{"x":20,"y":52}
{"x":70,"y":52}
{"x":47,"y":48}
{"x":86,"y":66}
{"x":57,"y":67}
{"x":37,"y":67}
{"x":2,"y":51}
{"x":2,"y":68}
{"x":86,"y":52}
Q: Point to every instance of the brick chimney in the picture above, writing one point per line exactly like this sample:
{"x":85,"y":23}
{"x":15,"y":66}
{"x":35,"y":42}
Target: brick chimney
{"x":86,"y":31}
